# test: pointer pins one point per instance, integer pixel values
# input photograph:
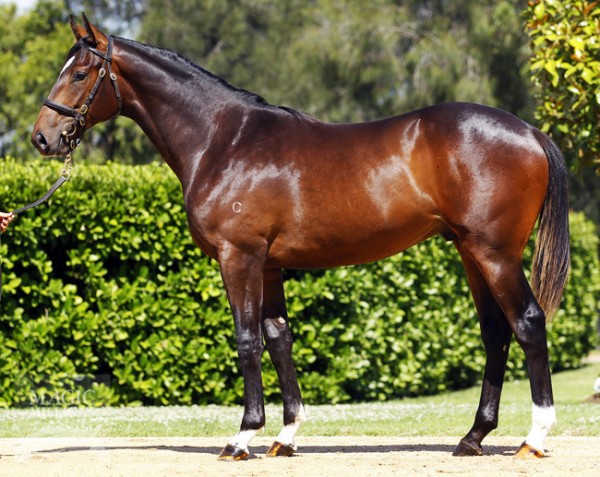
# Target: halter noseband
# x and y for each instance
(79, 113)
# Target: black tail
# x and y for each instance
(552, 252)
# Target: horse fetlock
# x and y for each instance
(288, 433)
(543, 420)
(485, 422)
(237, 447)
(253, 421)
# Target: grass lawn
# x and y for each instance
(447, 414)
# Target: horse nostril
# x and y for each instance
(41, 142)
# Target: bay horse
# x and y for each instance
(268, 187)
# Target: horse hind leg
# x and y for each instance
(496, 334)
(278, 339)
(503, 273)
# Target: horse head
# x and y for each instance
(70, 109)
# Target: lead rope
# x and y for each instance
(64, 177)
(1, 271)
(68, 136)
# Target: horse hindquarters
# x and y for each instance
(492, 257)
(509, 307)
(527, 321)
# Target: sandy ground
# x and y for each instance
(317, 456)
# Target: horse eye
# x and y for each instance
(79, 76)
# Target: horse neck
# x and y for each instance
(176, 104)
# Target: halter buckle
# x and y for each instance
(67, 167)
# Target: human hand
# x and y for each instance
(5, 219)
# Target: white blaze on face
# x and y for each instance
(67, 64)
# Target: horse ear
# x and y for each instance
(78, 30)
(94, 34)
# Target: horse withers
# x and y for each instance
(268, 187)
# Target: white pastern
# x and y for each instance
(288, 433)
(243, 438)
(543, 419)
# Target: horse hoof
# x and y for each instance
(231, 452)
(528, 452)
(464, 449)
(281, 450)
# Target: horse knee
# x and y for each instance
(249, 348)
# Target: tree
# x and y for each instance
(122, 17)
(345, 60)
(502, 46)
(32, 49)
(565, 37)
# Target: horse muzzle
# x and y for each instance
(55, 144)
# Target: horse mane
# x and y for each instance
(190, 67)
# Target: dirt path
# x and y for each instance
(317, 456)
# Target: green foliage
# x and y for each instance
(582, 297)
(566, 71)
(122, 15)
(104, 286)
(106, 282)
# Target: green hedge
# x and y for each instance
(106, 297)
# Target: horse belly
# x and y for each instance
(371, 206)
(350, 240)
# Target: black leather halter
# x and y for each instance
(79, 113)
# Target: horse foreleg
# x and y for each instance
(243, 278)
(279, 342)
